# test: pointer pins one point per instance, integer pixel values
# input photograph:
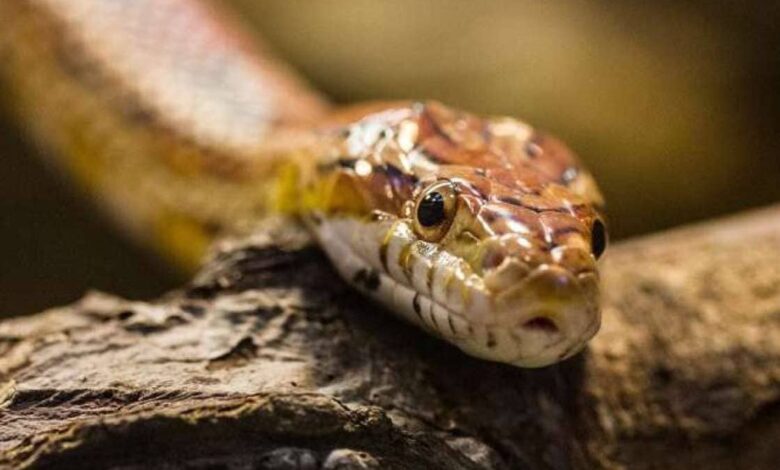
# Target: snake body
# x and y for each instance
(481, 230)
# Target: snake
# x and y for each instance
(178, 120)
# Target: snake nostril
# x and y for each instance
(541, 324)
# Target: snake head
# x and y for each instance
(481, 230)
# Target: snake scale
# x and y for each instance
(481, 230)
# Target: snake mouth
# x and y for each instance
(543, 341)
(542, 324)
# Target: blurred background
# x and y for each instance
(674, 105)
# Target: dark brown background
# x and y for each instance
(674, 105)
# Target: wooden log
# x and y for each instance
(267, 360)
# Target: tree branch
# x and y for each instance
(266, 359)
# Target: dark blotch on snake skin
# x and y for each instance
(367, 279)
(491, 340)
(452, 325)
(347, 162)
(416, 305)
(532, 149)
(342, 162)
(511, 200)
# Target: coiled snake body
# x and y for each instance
(482, 231)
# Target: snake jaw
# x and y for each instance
(515, 313)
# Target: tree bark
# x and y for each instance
(267, 360)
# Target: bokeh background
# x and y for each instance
(674, 105)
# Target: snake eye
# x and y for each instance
(598, 238)
(435, 211)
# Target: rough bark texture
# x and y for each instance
(266, 360)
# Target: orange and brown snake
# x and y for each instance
(481, 230)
